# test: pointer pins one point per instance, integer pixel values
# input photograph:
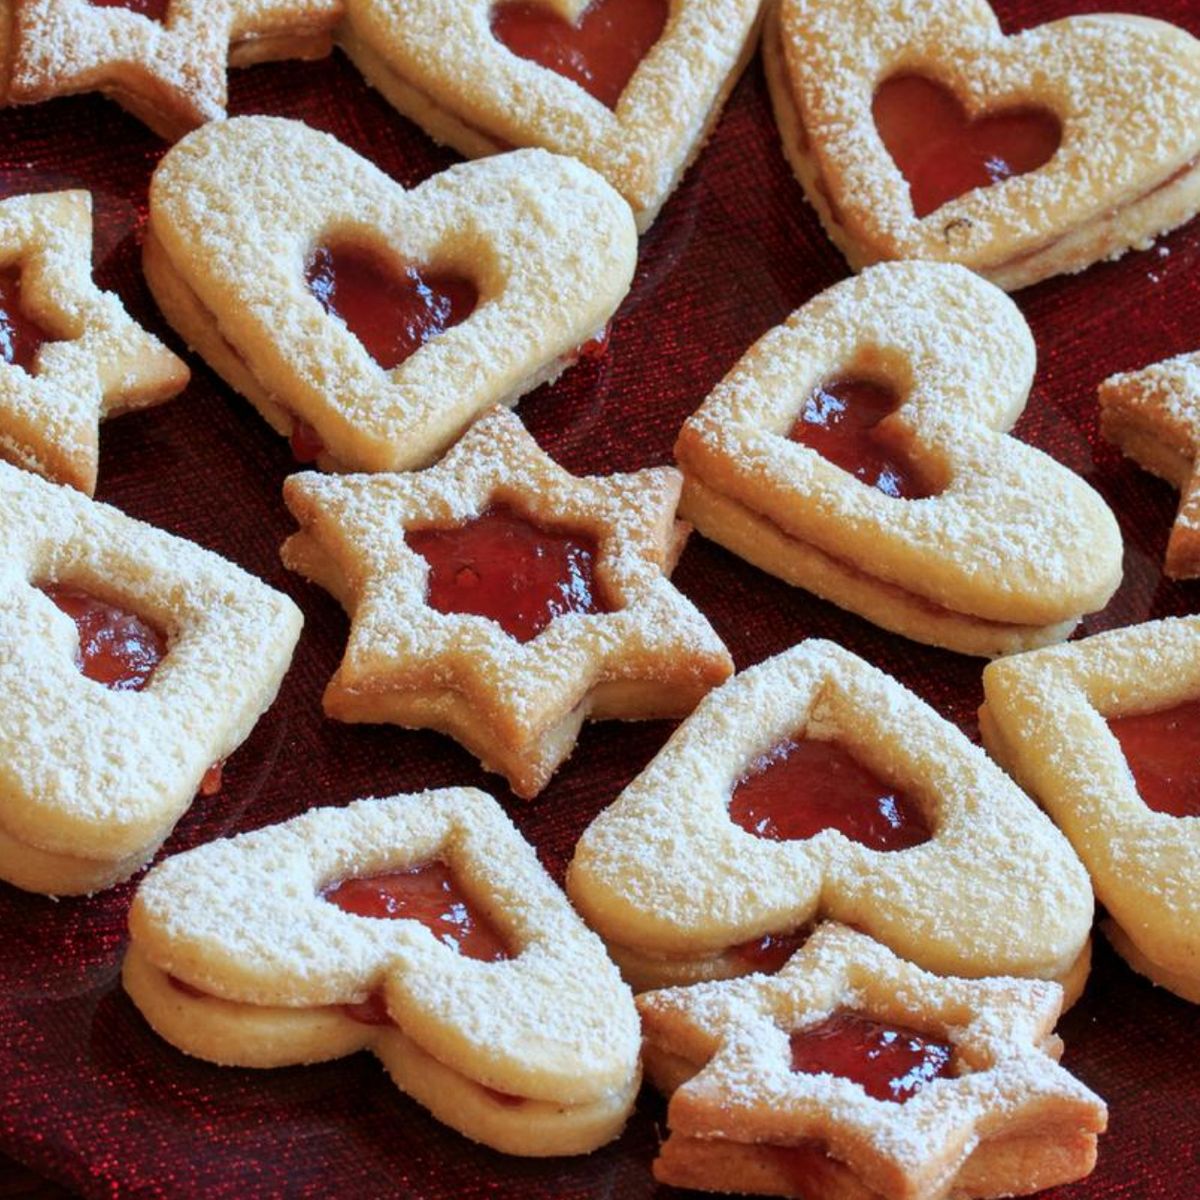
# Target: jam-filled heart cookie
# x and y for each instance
(420, 927)
(371, 324)
(134, 663)
(922, 131)
(813, 785)
(1154, 416)
(70, 355)
(859, 451)
(1105, 734)
(163, 60)
(630, 87)
(503, 601)
(853, 1075)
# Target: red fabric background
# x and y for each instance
(92, 1098)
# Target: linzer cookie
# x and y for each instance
(859, 450)
(853, 1075)
(629, 87)
(163, 60)
(923, 132)
(1154, 416)
(134, 663)
(503, 601)
(1105, 734)
(70, 355)
(810, 786)
(420, 927)
(371, 324)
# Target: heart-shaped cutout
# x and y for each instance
(154, 10)
(1124, 90)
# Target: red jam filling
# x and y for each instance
(21, 337)
(1163, 750)
(116, 647)
(943, 154)
(392, 312)
(769, 952)
(156, 10)
(210, 784)
(371, 1011)
(600, 54)
(594, 348)
(516, 573)
(840, 421)
(801, 787)
(305, 441)
(889, 1062)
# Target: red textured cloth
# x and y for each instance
(92, 1098)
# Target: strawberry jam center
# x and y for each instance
(392, 312)
(600, 54)
(1162, 750)
(889, 1062)
(943, 154)
(801, 787)
(116, 647)
(516, 573)
(21, 337)
(840, 421)
(156, 10)
(769, 952)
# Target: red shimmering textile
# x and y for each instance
(92, 1099)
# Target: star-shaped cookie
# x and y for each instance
(752, 1112)
(637, 649)
(84, 357)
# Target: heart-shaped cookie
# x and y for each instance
(1019, 203)
(858, 450)
(466, 73)
(531, 253)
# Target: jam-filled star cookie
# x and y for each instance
(70, 355)
(859, 450)
(163, 60)
(1154, 416)
(371, 324)
(629, 87)
(814, 785)
(1105, 734)
(133, 664)
(420, 927)
(853, 1075)
(922, 132)
(503, 601)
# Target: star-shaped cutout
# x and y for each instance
(93, 360)
(517, 705)
(1153, 415)
(1007, 1119)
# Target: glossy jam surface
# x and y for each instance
(156, 10)
(600, 54)
(371, 1011)
(943, 154)
(508, 569)
(116, 647)
(1163, 752)
(305, 441)
(210, 784)
(393, 312)
(769, 952)
(890, 1062)
(840, 419)
(21, 337)
(428, 894)
(801, 787)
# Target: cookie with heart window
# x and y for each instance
(924, 132)
(420, 927)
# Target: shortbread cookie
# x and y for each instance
(1154, 416)
(629, 87)
(503, 601)
(163, 60)
(70, 354)
(813, 785)
(853, 1075)
(370, 324)
(1105, 734)
(112, 721)
(922, 132)
(420, 927)
(859, 451)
